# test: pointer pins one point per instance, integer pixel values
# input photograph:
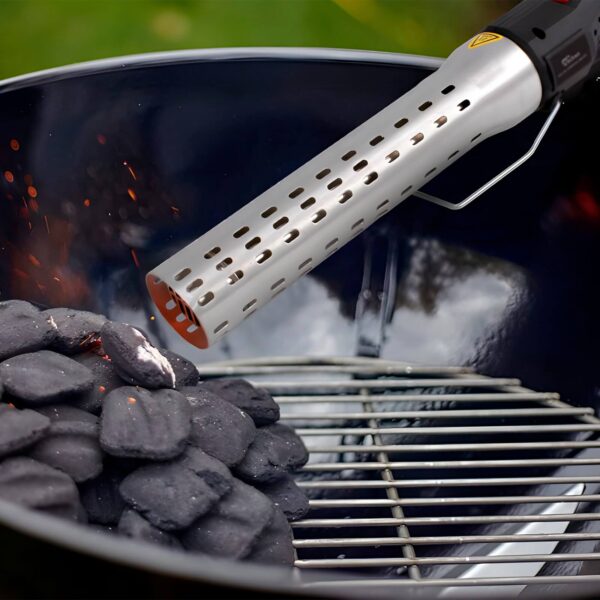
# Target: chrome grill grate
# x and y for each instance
(436, 476)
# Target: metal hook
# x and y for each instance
(492, 182)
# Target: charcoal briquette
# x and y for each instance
(23, 328)
(71, 444)
(233, 526)
(32, 484)
(219, 428)
(139, 423)
(174, 494)
(287, 496)
(44, 377)
(101, 497)
(275, 450)
(135, 359)
(20, 428)
(185, 370)
(76, 330)
(134, 526)
(256, 402)
(275, 546)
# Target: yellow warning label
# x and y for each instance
(484, 38)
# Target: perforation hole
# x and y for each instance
(360, 165)
(304, 264)
(448, 89)
(263, 256)
(392, 156)
(376, 140)
(425, 106)
(253, 242)
(332, 243)
(278, 291)
(296, 193)
(192, 328)
(249, 305)
(240, 232)
(370, 178)
(212, 252)
(441, 121)
(280, 223)
(182, 274)
(194, 285)
(431, 171)
(204, 300)
(476, 137)
(345, 196)
(273, 209)
(453, 154)
(539, 33)
(406, 190)
(384, 203)
(221, 326)
(180, 318)
(319, 216)
(307, 203)
(400, 123)
(323, 173)
(291, 236)
(277, 283)
(417, 138)
(170, 305)
(357, 224)
(349, 155)
(464, 104)
(335, 183)
(235, 277)
(224, 263)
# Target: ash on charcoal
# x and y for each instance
(20, 428)
(23, 328)
(43, 377)
(101, 497)
(287, 496)
(135, 359)
(185, 370)
(173, 495)
(275, 546)
(139, 423)
(105, 380)
(275, 450)
(32, 484)
(71, 444)
(218, 427)
(257, 402)
(75, 329)
(134, 526)
(233, 526)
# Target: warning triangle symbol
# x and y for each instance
(484, 38)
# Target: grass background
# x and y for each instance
(37, 34)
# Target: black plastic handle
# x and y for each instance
(562, 38)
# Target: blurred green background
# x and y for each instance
(37, 34)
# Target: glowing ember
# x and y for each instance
(32, 191)
(33, 205)
(130, 169)
(33, 260)
(135, 258)
(101, 139)
(87, 202)
(152, 318)
(132, 194)
(174, 210)
(14, 145)
(9, 176)
(131, 400)
(101, 389)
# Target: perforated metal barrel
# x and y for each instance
(155, 151)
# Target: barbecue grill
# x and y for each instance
(433, 480)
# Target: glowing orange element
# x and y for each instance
(130, 169)
(57, 279)
(135, 258)
(32, 191)
(101, 139)
(14, 145)
(33, 205)
(131, 400)
(101, 389)
(9, 176)
(174, 210)
(87, 202)
(11, 405)
(33, 260)
(152, 317)
(132, 194)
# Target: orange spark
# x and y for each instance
(32, 191)
(130, 169)
(33, 204)
(9, 176)
(132, 194)
(152, 317)
(14, 145)
(101, 139)
(87, 202)
(57, 279)
(131, 400)
(135, 258)
(34, 261)
(175, 210)
(101, 389)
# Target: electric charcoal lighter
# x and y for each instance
(528, 60)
